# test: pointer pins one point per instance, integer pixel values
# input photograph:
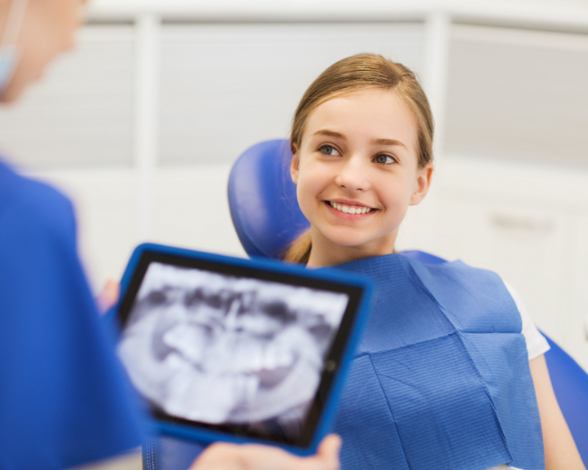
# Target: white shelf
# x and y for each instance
(531, 14)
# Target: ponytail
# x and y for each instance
(299, 250)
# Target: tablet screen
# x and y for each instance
(235, 349)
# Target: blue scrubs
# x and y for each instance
(64, 398)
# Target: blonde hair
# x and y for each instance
(351, 74)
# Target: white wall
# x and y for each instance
(141, 123)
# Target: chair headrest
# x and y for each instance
(262, 199)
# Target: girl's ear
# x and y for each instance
(423, 182)
(294, 164)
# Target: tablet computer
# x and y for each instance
(224, 348)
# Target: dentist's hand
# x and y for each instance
(258, 457)
(108, 296)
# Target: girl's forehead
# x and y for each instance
(376, 112)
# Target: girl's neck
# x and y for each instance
(324, 254)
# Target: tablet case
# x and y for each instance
(200, 434)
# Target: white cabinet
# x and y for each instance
(142, 121)
(579, 291)
(517, 95)
(81, 114)
(227, 86)
(515, 187)
(529, 226)
(189, 209)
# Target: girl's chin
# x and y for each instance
(358, 245)
(352, 246)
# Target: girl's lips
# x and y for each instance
(348, 202)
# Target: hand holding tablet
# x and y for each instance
(261, 457)
(238, 350)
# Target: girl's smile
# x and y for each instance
(349, 210)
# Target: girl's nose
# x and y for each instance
(352, 175)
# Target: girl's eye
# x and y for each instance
(384, 159)
(328, 150)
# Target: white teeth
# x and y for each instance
(353, 210)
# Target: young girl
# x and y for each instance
(443, 378)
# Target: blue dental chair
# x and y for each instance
(262, 201)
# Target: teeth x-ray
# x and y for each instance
(222, 349)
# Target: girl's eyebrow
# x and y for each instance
(389, 142)
(381, 141)
(329, 133)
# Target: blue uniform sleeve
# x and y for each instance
(64, 398)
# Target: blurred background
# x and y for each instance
(141, 123)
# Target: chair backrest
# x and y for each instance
(262, 201)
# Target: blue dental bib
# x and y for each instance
(441, 378)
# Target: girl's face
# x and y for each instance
(356, 173)
(48, 29)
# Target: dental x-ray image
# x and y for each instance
(222, 349)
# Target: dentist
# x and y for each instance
(64, 399)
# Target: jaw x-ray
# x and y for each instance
(222, 349)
